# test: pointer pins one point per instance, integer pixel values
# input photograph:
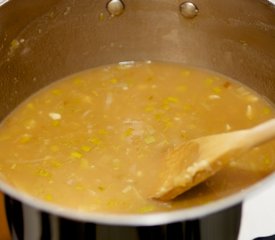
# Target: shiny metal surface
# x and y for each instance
(115, 7)
(223, 225)
(42, 41)
(189, 9)
(233, 37)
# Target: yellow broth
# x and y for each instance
(95, 140)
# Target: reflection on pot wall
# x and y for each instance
(223, 225)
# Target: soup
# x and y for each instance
(94, 141)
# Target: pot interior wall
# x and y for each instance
(234, 37)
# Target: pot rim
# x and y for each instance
(148, 219)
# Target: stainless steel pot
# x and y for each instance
(42, 41)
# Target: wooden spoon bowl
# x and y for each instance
(198, 159)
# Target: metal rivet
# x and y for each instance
(189, 10)
(115, 7)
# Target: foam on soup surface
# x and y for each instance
(94, 141)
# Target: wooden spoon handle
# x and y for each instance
(261, 133)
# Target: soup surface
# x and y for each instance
(95, 140)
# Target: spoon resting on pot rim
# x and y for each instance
(198, 159)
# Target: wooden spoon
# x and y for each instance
(198, 159)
